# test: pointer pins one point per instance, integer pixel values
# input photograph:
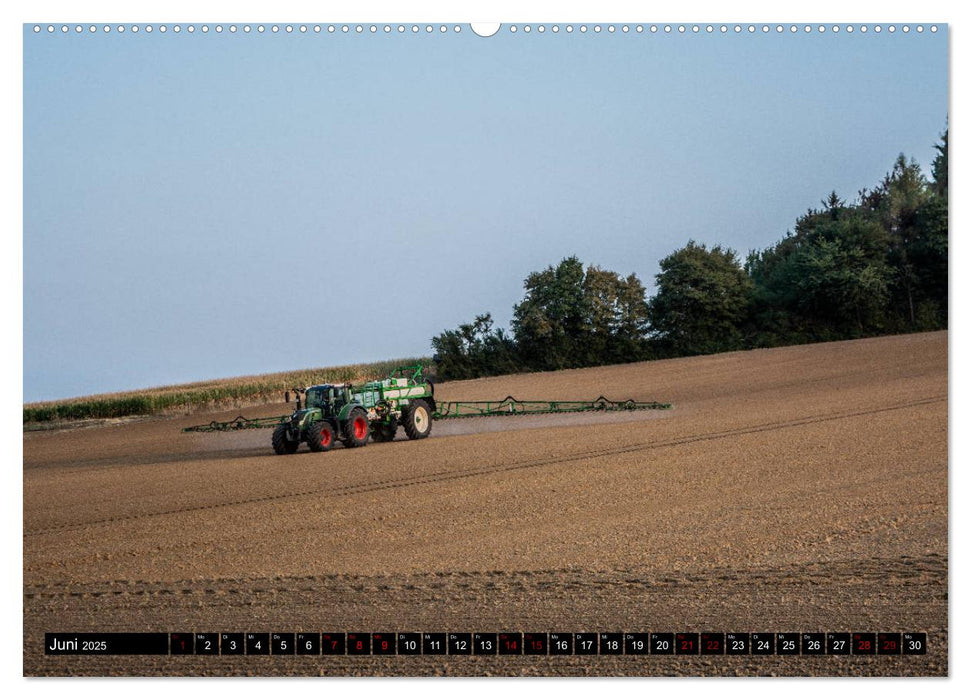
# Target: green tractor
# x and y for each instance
(355, 414)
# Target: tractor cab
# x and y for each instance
(320, 396)
(327, 397)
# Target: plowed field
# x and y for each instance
(792, 489)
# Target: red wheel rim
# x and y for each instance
(360, 428)
(325, 436)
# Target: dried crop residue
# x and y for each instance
(790, 489)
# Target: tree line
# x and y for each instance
(847, 270)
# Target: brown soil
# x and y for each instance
(793, 489)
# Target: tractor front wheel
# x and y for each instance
(282, 444)
(357, 430)
(320, 436)
(385, 432)
(418, 420)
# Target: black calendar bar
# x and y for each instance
(97, 644)
(588, 643)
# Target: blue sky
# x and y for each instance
(210, 205)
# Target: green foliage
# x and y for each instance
(702, 301)
(571, 317)
(939, 168)
(829, 280)
(877, 266)
(617, 316)
(914, 216)
(551, 321)
(475, 350)
(927, 252)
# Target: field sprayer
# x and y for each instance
(354, 414)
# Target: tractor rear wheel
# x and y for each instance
(418, 420)
(282, 444)
(385, 432)
(357, 430)
(320, 436)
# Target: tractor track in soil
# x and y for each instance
(485, 470)
(906, 570)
